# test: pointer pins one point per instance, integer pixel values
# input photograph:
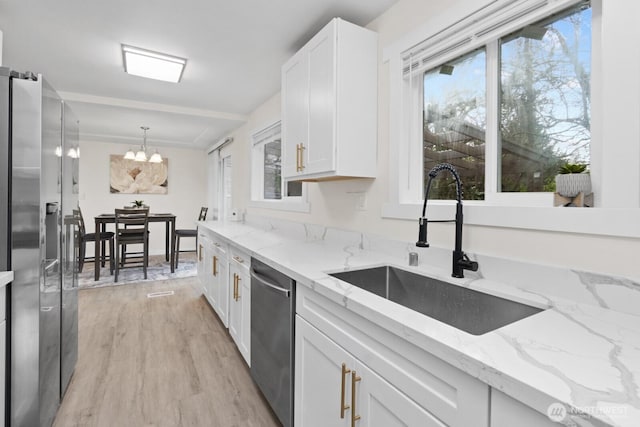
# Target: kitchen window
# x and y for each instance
(507, 132)
(268, 188)
(506, 114)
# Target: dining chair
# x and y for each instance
(187, 233)
(132, 228)
(96, 238)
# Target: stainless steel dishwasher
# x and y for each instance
(272, 337)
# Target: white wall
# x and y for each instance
(332, 203)
(186, 191)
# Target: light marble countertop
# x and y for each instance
(6, 277)
(582, 351)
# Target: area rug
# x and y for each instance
(158, 270)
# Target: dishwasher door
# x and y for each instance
(272, 332)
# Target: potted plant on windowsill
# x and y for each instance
(573, 179)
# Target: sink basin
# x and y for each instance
(471, 311)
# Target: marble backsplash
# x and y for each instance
(541, 282)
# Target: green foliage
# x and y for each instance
(138, 203)
(572, 168)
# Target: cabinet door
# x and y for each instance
(202, 260)
(319, 379)
(319, 150)
(240, 310)
(221, 288)
(235, 308)
(295, 112)
(211, 279)
(507, 412)
(244, 300)
(379, 404)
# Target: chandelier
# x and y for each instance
(141, 154)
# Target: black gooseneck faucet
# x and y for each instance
(460, 260)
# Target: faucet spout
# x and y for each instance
(460, 260)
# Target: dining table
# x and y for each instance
(170, 227)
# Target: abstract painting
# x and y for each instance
(131, 177)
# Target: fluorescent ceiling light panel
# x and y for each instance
(152, 65)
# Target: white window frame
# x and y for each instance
(286, 203)
(515, 210)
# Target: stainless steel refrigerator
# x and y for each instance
(38, 155)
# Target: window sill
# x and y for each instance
(281, 205)
(621, 222)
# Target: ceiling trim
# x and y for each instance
(151, 106)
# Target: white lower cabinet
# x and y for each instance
(319, 380)
(395, 382)
(219, 282)
(508, 412)
(213, 273)
(240, 303)
(335, 389)
(203, 241)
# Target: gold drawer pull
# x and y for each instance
(343, 405)
(354, 380)
(297, 157)
(200, 254)
(215, 265)
(237, 258)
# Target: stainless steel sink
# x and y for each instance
(471, 311)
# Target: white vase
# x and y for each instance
(571, 184)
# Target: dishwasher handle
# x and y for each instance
(270, 285)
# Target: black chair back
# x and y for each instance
(203, 213)
(81, 228)
(132, 225)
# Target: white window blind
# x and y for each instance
(268, 134)
(490, 22)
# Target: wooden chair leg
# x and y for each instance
(81, 254)
(111, 255)
(145, 254)
(117, 265)
(177, 248)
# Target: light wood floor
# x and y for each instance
(164, 361)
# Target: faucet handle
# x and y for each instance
(467, 264)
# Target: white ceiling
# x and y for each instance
(234, 52)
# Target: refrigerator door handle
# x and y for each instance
(49, 264)
(49, 267)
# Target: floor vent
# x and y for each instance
(160, 294)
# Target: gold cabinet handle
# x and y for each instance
(215, 265)
(237, 258)
(354, 380)
(301, 157)
(237, 287)
(200, 254)
(297, 157)
(343, 405)
(234, 286)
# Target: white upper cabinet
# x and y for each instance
(329, 105)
